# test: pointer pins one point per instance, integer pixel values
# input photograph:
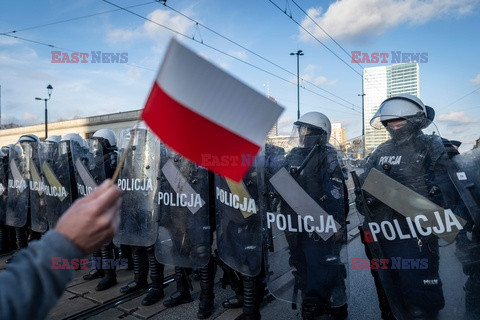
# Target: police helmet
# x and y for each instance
(107, 135)
(28, 138)
(54, 139)
(403, 106)
(314, 126)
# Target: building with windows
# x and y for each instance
(380, 83)
(337, 138)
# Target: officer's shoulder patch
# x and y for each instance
(336, 193)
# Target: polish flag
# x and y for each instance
(206, 115)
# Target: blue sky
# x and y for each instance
(256, 32)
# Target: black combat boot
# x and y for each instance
(339, 313)
(155, 293)
(182, 295)
(96, 271)
(21, 235)
(110, 278)
(472, 295)
(207, 296)
(140, 271)
(236, 283)
(252, 298)
(313, 307)
(4, 245)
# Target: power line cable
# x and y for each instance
(201, 42)
(324, 31)
(73, 19)
(64, 49)
(314, 37)
(461, 98)
(222, 52)
(252, 52)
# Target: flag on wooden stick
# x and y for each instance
(207, 115)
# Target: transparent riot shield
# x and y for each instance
(182, 200)
(18, 187)
(465, 174)
(57, 180)
(239, 221)
(3, 186)
(38, 204)
(415, 229)
(88, 164)
(306, 220)
(138, 180)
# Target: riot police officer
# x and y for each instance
(187, 224)
(6, 232)
(104, 140)
(320, 270)
(22, 232)
(419, 162)
(139, 226)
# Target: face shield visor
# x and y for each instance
(400, 108)
(64, 148)
(304, 136)
(50, 149)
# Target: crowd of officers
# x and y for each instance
(283, 185)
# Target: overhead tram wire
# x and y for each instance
(223, 52)
(252, 52)
(64, 49)
(9, 34)
(461, 98)
(73, 19)
(324, 31)
(318, 40)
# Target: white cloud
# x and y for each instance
(476, 80)
(152, 30)
(28, 117)
(360, 19)
(6, 41)
(309, 74)
(284, 125)
(320, 80)
(242, 55)
(457, 117)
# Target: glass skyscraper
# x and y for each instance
(380, 83)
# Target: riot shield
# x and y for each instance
(182, 200)
(3, 186)
(38, 205)
(88, 164)
(465, 174)
(415, 230)
(18, 187)
(307, 221)
(57, 181)
(239, 220)
(138, 180)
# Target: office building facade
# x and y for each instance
(380, 83)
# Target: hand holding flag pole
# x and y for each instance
(124, 154)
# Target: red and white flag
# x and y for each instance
(206, 115)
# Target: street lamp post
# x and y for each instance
(363, 121)
(298, 54)
(49, 90)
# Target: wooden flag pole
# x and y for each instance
(124, 155)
